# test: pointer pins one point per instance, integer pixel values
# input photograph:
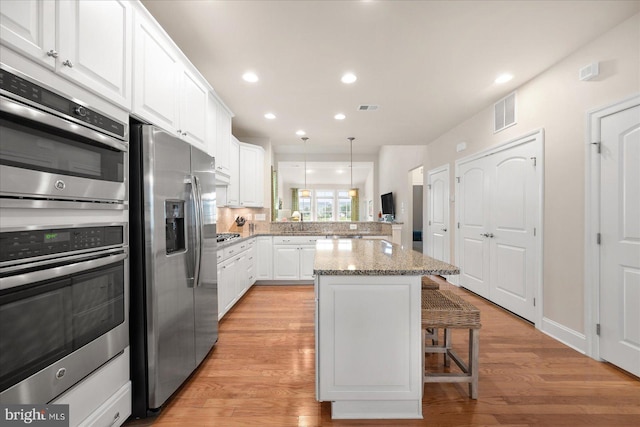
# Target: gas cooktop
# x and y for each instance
(223, 237)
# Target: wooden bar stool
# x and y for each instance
(444, 309)
(430, 333)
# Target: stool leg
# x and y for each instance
(474, 351)
(435, 334)
(447, 346)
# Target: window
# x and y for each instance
(304, 204)
(325, 205)
(344, 206)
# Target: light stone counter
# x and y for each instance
(368, 327)
(374, 258)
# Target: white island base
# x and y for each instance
(368, 346)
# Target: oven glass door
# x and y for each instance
(45, 321)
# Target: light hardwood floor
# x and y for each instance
(261, 373)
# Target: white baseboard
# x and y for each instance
(573, 339)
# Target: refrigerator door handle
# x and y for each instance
(198, 215)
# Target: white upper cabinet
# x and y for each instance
(156, 75)
(211, 128)
(193, 111)
(233, 191)
(28, 26)
(95, 46)
(251, 175)
(94, 41)
(223, 144)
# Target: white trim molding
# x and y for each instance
(567, 336)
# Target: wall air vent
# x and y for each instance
(364, 107)
(504, 113)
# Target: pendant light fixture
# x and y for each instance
(305, 192)
(353, 192)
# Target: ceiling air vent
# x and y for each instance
(364, 107)
(504, 113)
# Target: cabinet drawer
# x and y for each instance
(113, 412)
(296, 240)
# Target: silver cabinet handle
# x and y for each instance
(444, 229)
(184, 134)
(68, 63)
(489, 235)
(52, 53)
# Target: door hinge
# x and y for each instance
(598, 146)
(534, 302)
(458, 179)
(534, 232)
(458, 225)
(598, 329)
(598, 238)
(534, 161)
(429, 222)
(428, 186)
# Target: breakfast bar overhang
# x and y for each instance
(368, 327)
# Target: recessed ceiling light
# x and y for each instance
(250, 77)
(300, 132)
(349, 78)
(339, 171)
(339, 116)
(503, 78)
(270, 116)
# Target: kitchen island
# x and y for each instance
(368, 327)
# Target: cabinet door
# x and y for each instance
(156, 76)
(193, 110)
(28, 26)
(242, 276)
(251, 265)
(211, 128)
(233, 190)
(264, 264)
(251, 175)
(95, 46)
(223, 140)
(286, 262)
(307, 258)
(226, 286)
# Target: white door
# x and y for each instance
(438, 244)
(499, 203)
(473, 219)
(620, 240)
(513, 218)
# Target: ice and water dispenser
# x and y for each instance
(174, 226)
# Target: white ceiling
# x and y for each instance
(324, 173)
(428, 64)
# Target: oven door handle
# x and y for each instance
(62, 270)
(30, 113)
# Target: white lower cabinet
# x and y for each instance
(236, 273)
(264, 258)
(293, 257)
(108, 389)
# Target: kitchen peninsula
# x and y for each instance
(368, 327)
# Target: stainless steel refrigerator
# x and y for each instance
(174, 303)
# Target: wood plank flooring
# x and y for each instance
(261, 373)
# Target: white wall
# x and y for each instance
(394, 164)
(557, 102)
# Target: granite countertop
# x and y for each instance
(374, 258)
(246, 235)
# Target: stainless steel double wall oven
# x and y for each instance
(64, 268)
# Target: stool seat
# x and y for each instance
(430, 284)
(444, 309)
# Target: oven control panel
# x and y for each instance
(35, 243)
